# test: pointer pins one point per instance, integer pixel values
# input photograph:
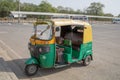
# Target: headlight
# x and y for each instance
(40, 50)
(46, 49)
(43, 49)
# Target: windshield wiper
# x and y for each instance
(45, 30)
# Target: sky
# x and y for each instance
(111, 6)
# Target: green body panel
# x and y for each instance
(86, 49)
(68, 58)
(75, 54)
(32, 60)
(47, 60)
(67, 53)
(71, 55)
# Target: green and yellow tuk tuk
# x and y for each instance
(58, 43)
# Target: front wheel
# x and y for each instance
(31, 69)
(87, 61)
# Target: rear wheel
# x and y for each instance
(31, 69)
(87, 61)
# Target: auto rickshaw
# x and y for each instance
(57, 43)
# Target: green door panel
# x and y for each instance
(67, 58)
(86, 49)
(67, 53)
(75, 54)
(47, 60)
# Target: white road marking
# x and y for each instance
(15, 53)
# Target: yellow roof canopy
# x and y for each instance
(62, 22)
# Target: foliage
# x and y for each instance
(46, 7)
(6, 6)
(28, 7)
(12, 5)
(69, 10)
(108, 14)
(95, 9)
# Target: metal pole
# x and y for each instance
(19, 11)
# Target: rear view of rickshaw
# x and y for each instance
(58, 43)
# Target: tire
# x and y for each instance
(31, 69)
(87, 60)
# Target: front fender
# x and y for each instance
(32, 61)
(89, 52)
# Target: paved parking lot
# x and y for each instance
(106, 48)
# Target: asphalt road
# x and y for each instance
(106, 48)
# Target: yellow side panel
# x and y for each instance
(32, 41)
(45, 42)
(52, 41)
(87, 34)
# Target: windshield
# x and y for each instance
(44, 32)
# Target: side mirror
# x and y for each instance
(57, 29)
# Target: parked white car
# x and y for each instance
(116, 20)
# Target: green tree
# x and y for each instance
(67, 10)
(78, 11)
(108, 14)
(46, 7)
(61, 9)
(6, 6)
(29, 7)
(95, 8)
